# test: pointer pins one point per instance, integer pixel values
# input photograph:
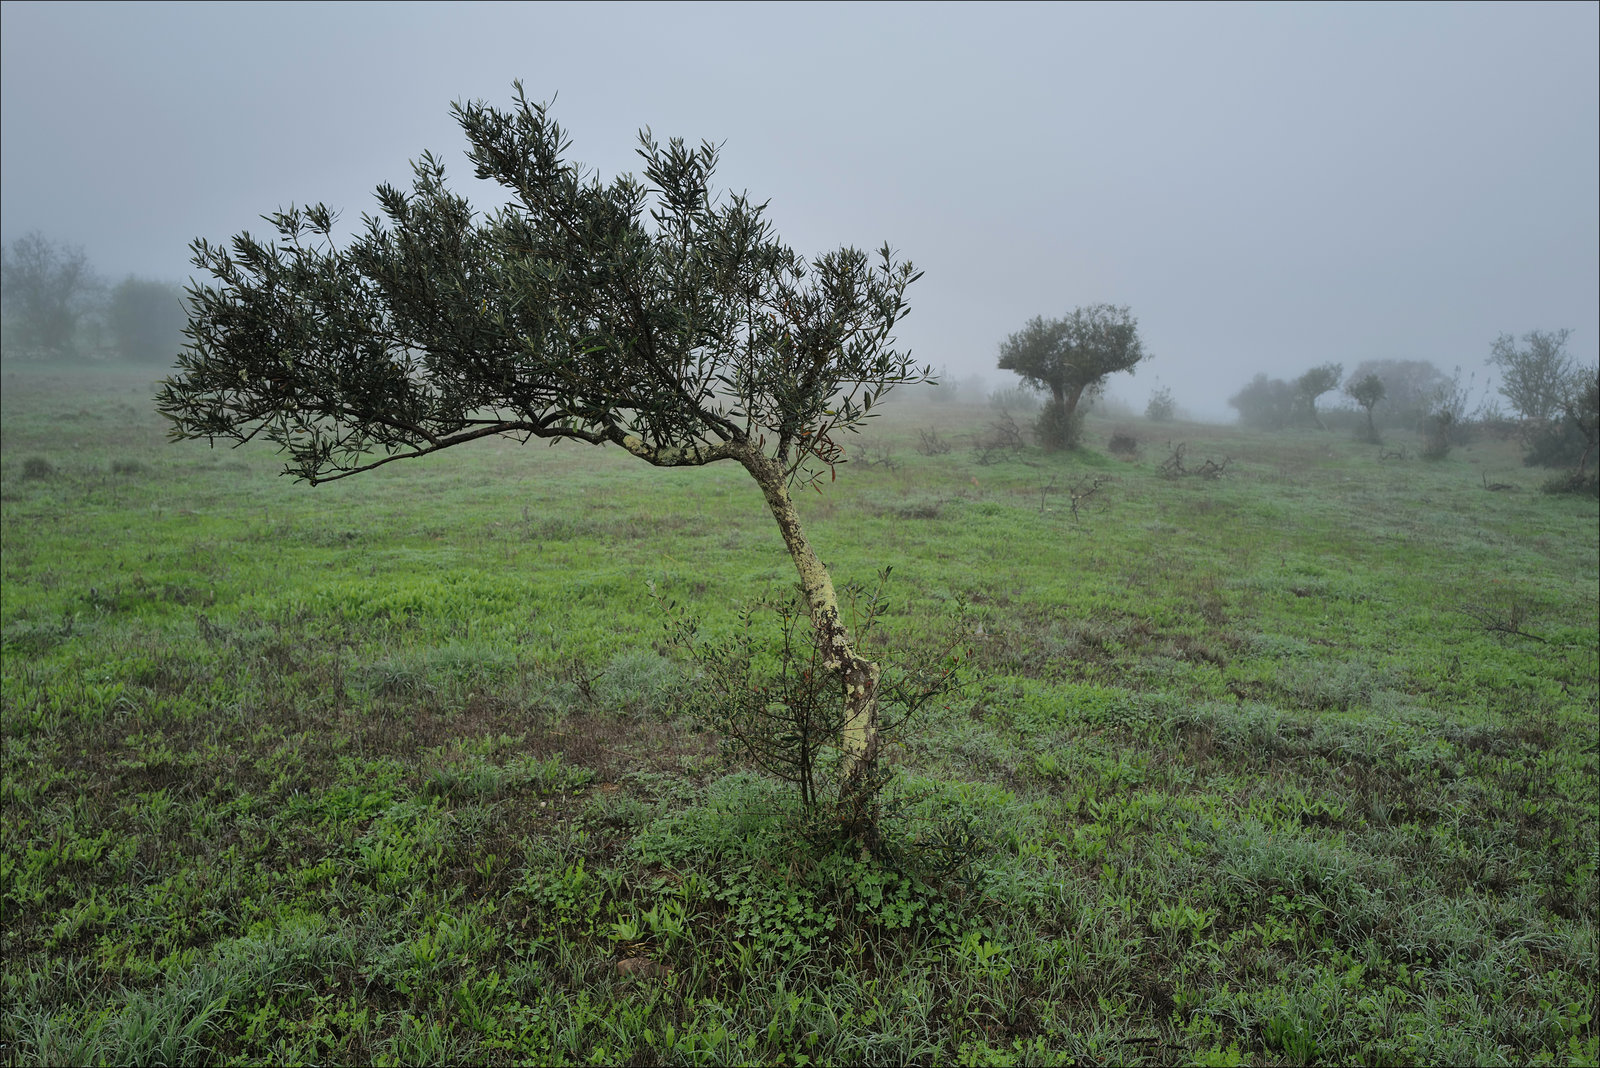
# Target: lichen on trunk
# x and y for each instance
(859, 677)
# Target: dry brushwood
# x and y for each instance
(1392, 454)
(932, 444)
(1496, 487)
(880, 456)
(1080, 491)
(1508, 620)
(1001, 440)
(1174, 467)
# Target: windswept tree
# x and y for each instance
(46, 290)
(1534, 378)
(1069, 357)
(650, 315)
(1367, 391)
(1313, 384)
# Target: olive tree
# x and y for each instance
(652, 315)
(1313, 384)
(1367, 391)
(1069, 357)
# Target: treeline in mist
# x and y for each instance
(55, 309)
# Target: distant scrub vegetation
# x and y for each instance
(54, 308)
(1555, 405)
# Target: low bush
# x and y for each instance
(1123, 443)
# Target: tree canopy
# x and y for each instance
(1313, 384)
(1536, 377)
(46, 289)
(1074, 354)
(681, 335)
(1266, 403)
(1366, 391)
(649, 314)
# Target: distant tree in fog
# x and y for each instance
(1313, 384)
(1069, 357)
(1161, 407)
(1534, 378)
(1367, 391)
(1265, 403)
(688, 336)
(1581, 409)
(146, 320)
(46, 291)
(1569, 438)
(1410, 390)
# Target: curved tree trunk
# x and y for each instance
(859, 736)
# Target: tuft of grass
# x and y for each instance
(37, 467)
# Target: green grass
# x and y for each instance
(393, 770)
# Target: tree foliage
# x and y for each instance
(1265, 403)
(1070, 356)
(1534, 378)
(565, 314)
(46, 290)
(1161, 408)
(649, 314)
(1313, 384)
(1411, 388)
(1581, 409)
(1570, 438)
(1367, 391)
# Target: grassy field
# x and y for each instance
(1294, 766)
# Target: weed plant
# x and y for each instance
(1248, 770)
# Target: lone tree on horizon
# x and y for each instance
(1069, 357)
(688, 336)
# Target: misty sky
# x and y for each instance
(1267, 187)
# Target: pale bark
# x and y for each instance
(859, 736)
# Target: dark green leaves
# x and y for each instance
(654, 314)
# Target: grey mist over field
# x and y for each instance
(1268, 188)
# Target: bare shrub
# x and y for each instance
(1504, 619)
(1174, 466)
(1000, 440)
(1078, 493)
(931, 444)
(879, 456)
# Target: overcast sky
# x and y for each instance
(1268, 187)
